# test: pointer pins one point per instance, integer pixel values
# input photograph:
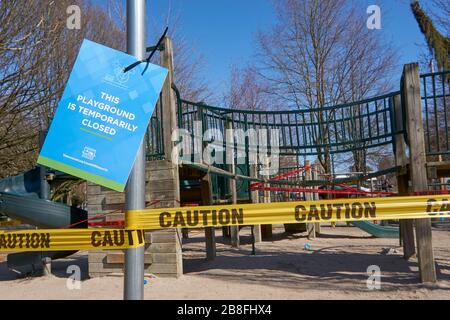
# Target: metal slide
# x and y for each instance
(39, 212)
(19, 200)
(377, 230)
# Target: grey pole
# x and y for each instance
(135, 189)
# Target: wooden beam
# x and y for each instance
(169, 123)
(210, 232)
(226, 232)
(315, 196)
(407, 225)
(310, 227)
(419, 182)
(254, 195)
(169, 111)
(206, 196)
(266, 229)
(234, 230)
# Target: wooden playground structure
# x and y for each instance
(409, 124)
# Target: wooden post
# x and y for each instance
(47, 267)
(266, 229)
(406, 225)
(210, 232)
(234, 230)
(254, 194)
(310, 227)
(315, 196)
(169, 118)
(417, 163)
(226, 232)
(169, 110)
(169, 124)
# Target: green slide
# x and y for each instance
(377, 230)
(19, 200)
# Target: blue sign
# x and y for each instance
(102, 117)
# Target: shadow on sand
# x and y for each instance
(59, 269)
(324, 268)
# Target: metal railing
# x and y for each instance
(154, 138)
(435, 93)
(337, 129)
(343, 128)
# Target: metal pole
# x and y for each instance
(135, 190)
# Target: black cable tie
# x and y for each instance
(154, 50)
(150, 49)
(133, 65)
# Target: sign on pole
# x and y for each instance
(102, 116)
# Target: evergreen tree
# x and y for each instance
(438, 44)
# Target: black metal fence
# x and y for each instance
(435, 93)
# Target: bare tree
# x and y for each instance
(320, 54)
(246, 90)
(37, 52)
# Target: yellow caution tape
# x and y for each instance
(70, 239)
(357, 209)
(8, 223)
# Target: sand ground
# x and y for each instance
(334, 268)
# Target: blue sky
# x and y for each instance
(224, 30)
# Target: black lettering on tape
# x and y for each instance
(300, 216)
(162, 220)
(35, 240)
(130, 237)
(445, 206)
(214, 217)
(191, 218)
(313, 213)
(435, 207)
(357, 210)
(107, 239)
(347, 210)
(238, 215)
(45, 240)
(326, 212)
(12, 241)
(94, 242)
(178, 221)
(119, 238)
(20, 240)
(141, 236)
(338, 207)
(430, 205)
(370, 210)
(204, 214)
(2, 241)
(224, 217)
